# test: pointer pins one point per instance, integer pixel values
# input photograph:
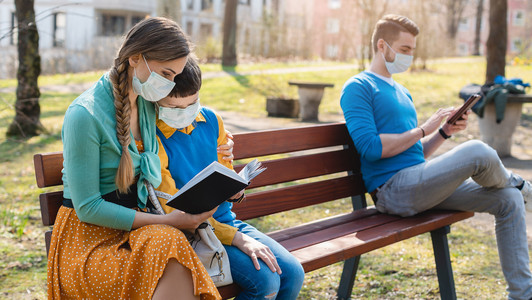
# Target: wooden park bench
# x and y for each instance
(307, 166)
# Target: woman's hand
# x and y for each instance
(227, 149)
(433, 123)
(460, 125)
(255, 250)
(185, 221)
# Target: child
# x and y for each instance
(189, 135)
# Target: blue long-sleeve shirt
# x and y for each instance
(373, 106)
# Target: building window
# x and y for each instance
(335, 4)
(136, 19)
(206, 4)
(519, 18)
(190, 4)
(517, 45)
(333, 25)
(190, 28)
(14, 31)
(463, 25)
(463, 49)
(332, 51)
(113, 25)
(59, 30)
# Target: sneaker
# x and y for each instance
(526, 190)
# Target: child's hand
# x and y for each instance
(255, 250)
(227, 149)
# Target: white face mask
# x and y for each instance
(153, 89)
(179, 118)
(401, 63)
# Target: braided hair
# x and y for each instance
(158, 39)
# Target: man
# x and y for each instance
(382, 122)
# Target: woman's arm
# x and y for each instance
(176, 218)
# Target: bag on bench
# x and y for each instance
(207, 246)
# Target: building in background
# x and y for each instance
(519, 28)
(73, 36)
(85, 34)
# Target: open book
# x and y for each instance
(211, 187)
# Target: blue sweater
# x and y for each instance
(190, 152)
(372, 106)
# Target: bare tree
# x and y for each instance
(27, 109)
(371, 13)
(478, 26)
(229, 37)
(497, 39)
(455, 11)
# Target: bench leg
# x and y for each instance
(348, 278)
(443, 262)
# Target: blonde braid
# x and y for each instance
(119, 78)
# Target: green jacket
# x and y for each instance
(498, 94)
(92, 153)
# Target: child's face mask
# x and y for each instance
(179, 117)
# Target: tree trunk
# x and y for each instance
(27, 110)
(497, 39)
(229, 38)
(478, 25)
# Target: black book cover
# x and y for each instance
(207, 194)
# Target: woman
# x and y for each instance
(104, 243)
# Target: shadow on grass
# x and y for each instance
(241, 79)
(13, 149)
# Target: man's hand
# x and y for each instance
(255, 250)
(460, 125)
(434, 122)
(227, 149)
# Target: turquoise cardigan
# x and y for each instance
(92, 153)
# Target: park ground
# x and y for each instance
(404, 270)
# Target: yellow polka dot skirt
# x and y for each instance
(93, 262)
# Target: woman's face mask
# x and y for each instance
(179, 118)
(401, 62)
(153, 89)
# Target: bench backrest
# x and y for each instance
(298, 162)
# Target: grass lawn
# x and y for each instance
(404, 270)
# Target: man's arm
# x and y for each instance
(432, 144)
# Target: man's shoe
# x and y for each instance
(526, 190)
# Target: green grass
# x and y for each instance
(403, 270)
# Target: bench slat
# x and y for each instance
(309, 238)
(48, 168)
(339, 249)
(282, 199)
(50, 204)
(268, 142)
(300, 167)
(295, 231)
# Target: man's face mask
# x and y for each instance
(179, 118)
(153, 89)
(401, 63)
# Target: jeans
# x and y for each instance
(471, 177)
(263, 283)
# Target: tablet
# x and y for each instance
(465, 107)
